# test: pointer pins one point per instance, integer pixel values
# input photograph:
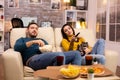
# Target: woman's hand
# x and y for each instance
(87, 50)
(73, 39)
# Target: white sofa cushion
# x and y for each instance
(45, 33)
(28, 72)
(46, 48)
(13, 65)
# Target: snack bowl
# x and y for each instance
(70, 72)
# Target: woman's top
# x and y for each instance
(66, 44)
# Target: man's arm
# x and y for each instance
(20, 45)
(29, 43)
(40, 42)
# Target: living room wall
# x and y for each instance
(42, 11)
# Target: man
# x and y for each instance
(34, 58)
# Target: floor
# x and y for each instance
(1, 69)
(118, 71)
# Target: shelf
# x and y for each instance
(72, 17)
(1, 26)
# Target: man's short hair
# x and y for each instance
(31, 24)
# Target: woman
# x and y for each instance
(71, 42)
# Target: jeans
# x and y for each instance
(97, 52)
(41, 61)
(99, 47)
(73, 57)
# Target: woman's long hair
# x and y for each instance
(64, 34)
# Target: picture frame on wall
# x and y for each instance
(82, 4)
(13, 3)
(35, 1)
(27, 20)
(55, 4)
(46, 24)
(70, 16)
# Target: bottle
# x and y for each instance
(95, 61)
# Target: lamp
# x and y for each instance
(78, 24)
(98, 27)
(8, 26)
(67, 2)
(81, 23)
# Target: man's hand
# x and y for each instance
(39, 42)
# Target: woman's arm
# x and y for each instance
(65, 44)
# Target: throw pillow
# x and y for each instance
(28, 72)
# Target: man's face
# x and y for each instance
(32, 31)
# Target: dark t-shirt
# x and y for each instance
(27, 52)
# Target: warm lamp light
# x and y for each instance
(8, 26)
(97, 27)
(81, 25)
(104, 2)
(78, 24)
(67, 2)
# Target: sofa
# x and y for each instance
(14, 68)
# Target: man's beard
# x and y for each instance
(33, 36)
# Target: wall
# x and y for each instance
(42, 11)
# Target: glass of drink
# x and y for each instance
(60, 60)
(88, 59)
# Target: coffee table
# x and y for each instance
(52, 73)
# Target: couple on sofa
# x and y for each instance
(29, 47)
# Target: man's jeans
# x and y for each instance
(41, 61)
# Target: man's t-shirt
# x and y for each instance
(27, 52)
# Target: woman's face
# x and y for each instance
(68, 30)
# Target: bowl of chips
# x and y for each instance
(70, 71)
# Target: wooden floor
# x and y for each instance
(118, 71)
(1, 69)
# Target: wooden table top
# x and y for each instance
(52, 72)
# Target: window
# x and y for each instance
(108, 20)
(101, 20)
(114, 21)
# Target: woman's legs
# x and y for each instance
(73, 57)
(41, 61)
(99, 47)
(100, 58)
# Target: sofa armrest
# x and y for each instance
(13, 66)
(111, 60)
